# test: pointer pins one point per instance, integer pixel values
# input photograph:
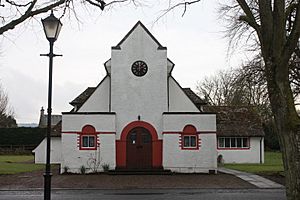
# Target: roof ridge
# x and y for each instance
(132, 29)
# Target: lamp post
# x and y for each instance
(52, 27)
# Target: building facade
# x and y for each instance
(138, 117)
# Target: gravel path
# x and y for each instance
(104, 181)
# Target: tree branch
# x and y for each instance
(185, 4)
(293, 38)
(249, 18)
(100, 4)
(29, 13)
(18, 5)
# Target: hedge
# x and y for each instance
(22, 136)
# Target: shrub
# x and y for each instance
(66, 169)
(105, 167)
(82, 169)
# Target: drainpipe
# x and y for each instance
(260, 150)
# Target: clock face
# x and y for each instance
(139, 68)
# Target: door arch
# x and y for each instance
(121, 145)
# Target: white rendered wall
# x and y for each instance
(181, 160)
(178, 100)
(73, 157)
(75, 122)
(251, 155)
(190, 161)
(133, 96)
(202, 122)
(99, 100)
(55, 152)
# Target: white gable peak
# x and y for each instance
(136, 30)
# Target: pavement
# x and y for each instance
(147, 194)
(253, 179)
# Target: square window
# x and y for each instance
(88, 141)
(189, 141)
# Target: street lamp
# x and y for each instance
(52, 27)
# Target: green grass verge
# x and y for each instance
(273, 165)
(12, 164)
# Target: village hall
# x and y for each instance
(139, 117)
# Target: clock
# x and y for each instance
(139, 68)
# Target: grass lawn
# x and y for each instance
(12, 164)
(273, 165)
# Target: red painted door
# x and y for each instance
(139, 149)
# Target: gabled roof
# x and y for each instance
(82, 98)
(237, 121)
(194, 97)
(79, 100)
(139, 23)
(56, 130)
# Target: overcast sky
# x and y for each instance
(195, 44)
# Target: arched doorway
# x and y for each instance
(121, 145)
(139, 149)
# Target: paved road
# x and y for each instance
(147, 194)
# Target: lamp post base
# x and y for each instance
(47, 185)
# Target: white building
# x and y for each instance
(138, 117)
(239, 134)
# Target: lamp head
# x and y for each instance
(52, 27)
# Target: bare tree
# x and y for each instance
(243, 86)
(6, 114)
(275, 27)
(219, 88)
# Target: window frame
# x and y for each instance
(189, 131)
(90, 132)
(88, 142)
(236, 146)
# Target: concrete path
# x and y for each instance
(254, 179)
(148, 194)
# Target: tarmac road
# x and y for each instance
(147, 194)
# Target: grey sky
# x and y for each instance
(195, 44)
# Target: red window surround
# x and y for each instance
(89, 134)
(189, 138)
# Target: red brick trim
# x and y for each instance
(234, 148)
(180, 132)
(88, 130)
(170, 132)
(189, 130)
(98, 133)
